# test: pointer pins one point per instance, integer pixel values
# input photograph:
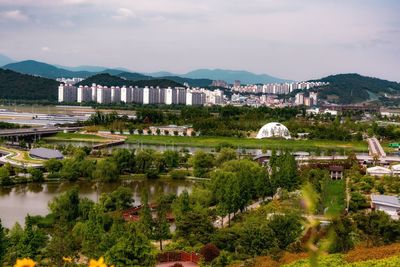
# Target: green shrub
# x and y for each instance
(179, 174)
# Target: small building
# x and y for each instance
(171, 130)
(379, 171)
(396, 169)
(336, 172)
(45, 153)
(388, 204)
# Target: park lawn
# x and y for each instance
(208, 141)
(20, 156)
(76, 137)
(335, 197)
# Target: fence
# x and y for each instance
(178, 256)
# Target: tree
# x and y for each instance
(202, 163)
(256, 238)
(225, 154)
(124, 159)
(106, 171)
(132, 249)
(5, 176)
(120, 199)
(144, 160)
(3, 243)
(194, 227)
(37, 175)
(209, 252)
(53, 165)
(31, 241)
(61, 244)
(286, 229)
(70, 170)
(171, 158)
(344, 230)
(377, 227)
(66, 206)
(161, 226)
(146, 219)
(284, 172)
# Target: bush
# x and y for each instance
(152, 174)
(179, 174)
(209, 252)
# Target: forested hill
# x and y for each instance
(354, 88)
(36, 68)
(110, 80)
(15, 85)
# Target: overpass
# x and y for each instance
(375, 148)
(35, 132)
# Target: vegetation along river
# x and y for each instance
(18, 201)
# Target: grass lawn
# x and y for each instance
(334, 197)
(205, 141)
(75, 137)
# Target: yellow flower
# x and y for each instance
(67, 259)
(25, 263)
(99, 263)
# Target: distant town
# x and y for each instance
(252, 95)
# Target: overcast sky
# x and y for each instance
(294, 39)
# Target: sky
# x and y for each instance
(291, 39)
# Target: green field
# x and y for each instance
(205, 141)
(75, 137)
(334, 197)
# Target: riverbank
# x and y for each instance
(206, 141)
(77, 137)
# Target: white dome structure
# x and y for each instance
(273, 129)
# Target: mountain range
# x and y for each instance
(354, 88)
(200, 77)
(40, 84)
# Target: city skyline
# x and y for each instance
(292, 40)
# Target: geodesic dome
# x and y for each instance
(273, 129)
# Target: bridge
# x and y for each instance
(36, 133)
(375, 148)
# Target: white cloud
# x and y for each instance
(124, 14)
(45, 48)
(14, 15)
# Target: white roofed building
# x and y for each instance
(273, 129)
(379, 171)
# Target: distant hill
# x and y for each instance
(4, 60)
(230, 76)
(106, 79)
(355, 88)
(191, 82)
(15, 85)
(41, 69)
(161, 74)
(94, 69)
(133, 76)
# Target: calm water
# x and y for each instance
(18, 201)
(156, 147)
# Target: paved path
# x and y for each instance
(225, 220)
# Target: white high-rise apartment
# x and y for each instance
(67, 93)
(103, 95)
(115, 94)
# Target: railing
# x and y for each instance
(173, 256)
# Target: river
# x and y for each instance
(18, 201)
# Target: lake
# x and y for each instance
(18, 201)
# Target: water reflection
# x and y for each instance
(18, 201)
